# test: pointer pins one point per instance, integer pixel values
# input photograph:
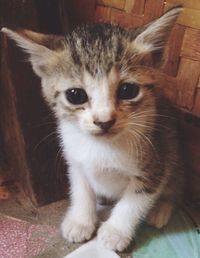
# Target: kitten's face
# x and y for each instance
(99, 77)
(104, 86)
(105, 103)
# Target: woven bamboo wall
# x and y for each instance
(181, 79)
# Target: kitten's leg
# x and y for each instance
(117, 232)
(80, 220)
(160, 214)
(171, 197)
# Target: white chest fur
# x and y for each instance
(107, 165)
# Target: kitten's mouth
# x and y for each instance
(106, 133)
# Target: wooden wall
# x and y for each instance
(30, 162)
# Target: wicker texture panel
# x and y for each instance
(181, 79)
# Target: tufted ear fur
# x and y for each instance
(41, 48)
(151, 41)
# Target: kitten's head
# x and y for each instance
(99, 77)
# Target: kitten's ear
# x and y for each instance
(154, 37)
(40, 47)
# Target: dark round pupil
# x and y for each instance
(76, 96)
(128, 91)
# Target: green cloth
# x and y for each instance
(179, 239)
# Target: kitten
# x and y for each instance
(118, 135)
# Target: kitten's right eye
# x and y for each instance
(76, 96)
(128, 91)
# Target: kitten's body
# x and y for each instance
(120, 147)
(153, 171)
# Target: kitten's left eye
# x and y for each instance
(76, 96)
(128, 91)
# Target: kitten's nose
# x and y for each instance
(105, 125)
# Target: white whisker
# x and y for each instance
(44, 139)
(146, 140)
(58, 160)
(137, 144)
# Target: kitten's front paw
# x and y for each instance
(76, 232)
(112, 238)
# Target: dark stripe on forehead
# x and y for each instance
(76, 57)
(96, 45)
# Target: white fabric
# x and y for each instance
(92, 249)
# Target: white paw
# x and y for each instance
(160, 215)
(76, 232)
(112, 238)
